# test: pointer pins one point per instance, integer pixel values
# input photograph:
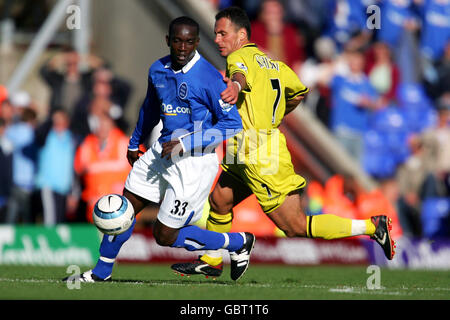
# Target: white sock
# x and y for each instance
(358, 227)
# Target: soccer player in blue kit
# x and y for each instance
(178, 171)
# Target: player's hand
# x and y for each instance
(133, 155)
(231, 93)
(170, 148)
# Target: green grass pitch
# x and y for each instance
(261, 282)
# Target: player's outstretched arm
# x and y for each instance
(148, 119)
(234, 85)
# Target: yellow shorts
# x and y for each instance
(269, 175)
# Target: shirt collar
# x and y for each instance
(188, 66)
(250, 44)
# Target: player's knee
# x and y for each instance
(164, 237)
(294, 231)
(219, 206)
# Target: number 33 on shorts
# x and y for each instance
(179, 208)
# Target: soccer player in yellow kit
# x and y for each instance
(257, 160)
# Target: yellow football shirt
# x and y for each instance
(258, 155)
(270, 83)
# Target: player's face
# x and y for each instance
(182, 42)
(228, 37)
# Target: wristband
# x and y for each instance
(239, 85)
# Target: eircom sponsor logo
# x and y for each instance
(170, 110)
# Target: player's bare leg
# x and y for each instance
(289, 217)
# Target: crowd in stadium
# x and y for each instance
(381, 87)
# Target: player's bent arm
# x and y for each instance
(293, 103)
(148, 119)
(207, 140)
(227, 120)
(240, 79)
(235, 85)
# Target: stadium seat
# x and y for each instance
(420, 118)
(416, 106)
(390, 119)
(377, 160)
(392, 132)
(435, 217)
(412, 94)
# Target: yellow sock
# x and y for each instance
(370, 227)
(328, 226)
(218, 223)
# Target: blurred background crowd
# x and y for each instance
(379, 81)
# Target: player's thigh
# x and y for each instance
(228, 192)
(289, 216)
(138, 202)
(145, 181)
(189, 183)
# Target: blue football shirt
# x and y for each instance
(188, 103)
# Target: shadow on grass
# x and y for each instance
(175, 282)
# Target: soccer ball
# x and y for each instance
(113, 214)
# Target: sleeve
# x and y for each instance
(51, 77)
(148, 118)
(226, 120)
(236, 63)
(293, 86)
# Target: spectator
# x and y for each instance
(316, 74)
(410, 177)
(310, 17)
(434, 35)
(347, 24)
(436, 28)
(55, 167)
(6, 149)
(438, 87)
(19, 101)
(91, 107)
(101, 164)
(436, 143)
(7, 112)
(383, 74)
(353, 98)
(21, 135)
(67, 83)
(396, 16)
(120, 89)
(280, 40)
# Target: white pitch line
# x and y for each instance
(343, 289)
(354, 290)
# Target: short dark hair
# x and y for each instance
(238, 17)
(184, 20)
(28, 115)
